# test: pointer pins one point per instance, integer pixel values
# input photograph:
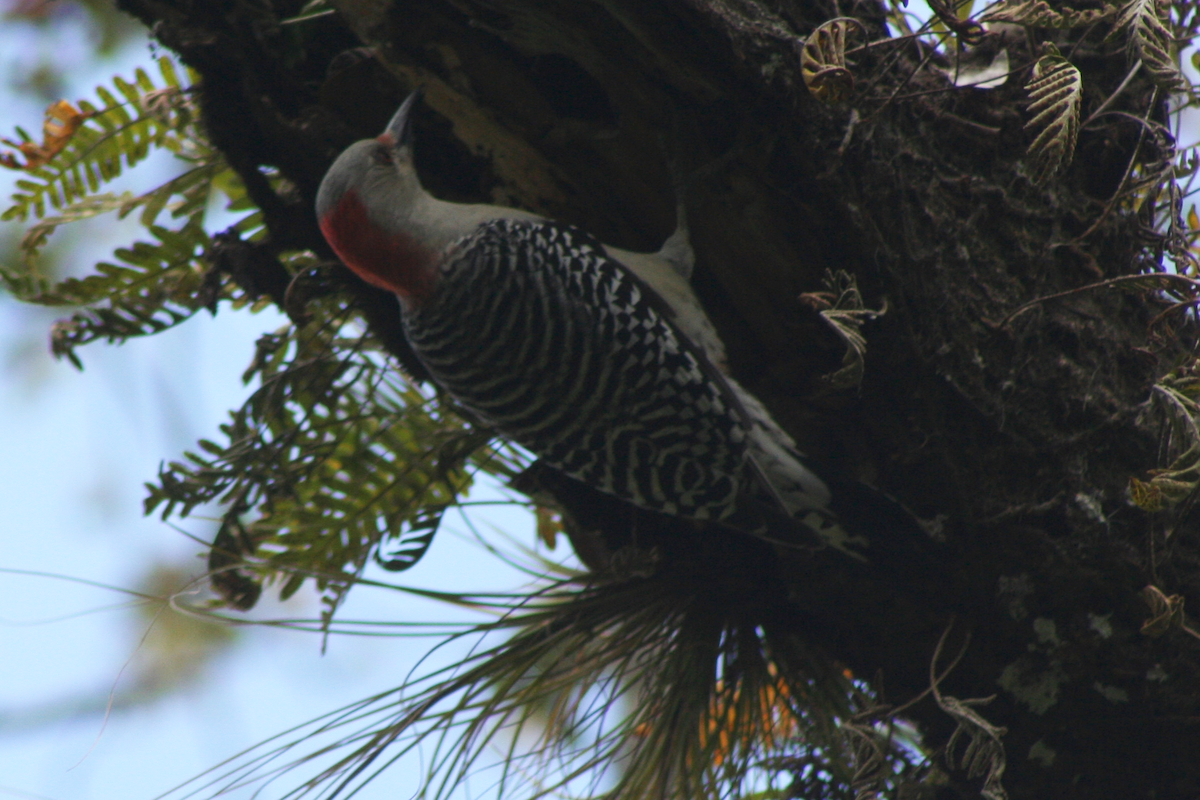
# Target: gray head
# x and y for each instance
(366, 209)
(378, 169)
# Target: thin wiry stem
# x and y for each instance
(655, 689)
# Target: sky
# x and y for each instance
(75, 449)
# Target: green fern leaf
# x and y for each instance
(341, 461)
(167, 68)
(119, 134)
(153, 285)
(94, 205)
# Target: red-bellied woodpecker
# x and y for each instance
(600, 361)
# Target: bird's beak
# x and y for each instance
(399, 132)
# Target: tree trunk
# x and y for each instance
(1015, 438)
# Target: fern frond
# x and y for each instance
(153, 285)
(1055, 93)
(841, 306)
(156, 286)
(192, 187)
(338, 459)
(92, 206)
(1039, 14)
(109, 139)
(1148, 38)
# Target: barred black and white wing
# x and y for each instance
(537, 331)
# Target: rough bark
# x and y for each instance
(1016, 437)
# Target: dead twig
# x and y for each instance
(984, 754)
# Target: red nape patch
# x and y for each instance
(391, 261)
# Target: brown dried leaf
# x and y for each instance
(1151, 40)
(823, 61)
(842, 308)
(549, 526)
(1166, 612)
(983, 755)
(62, 121)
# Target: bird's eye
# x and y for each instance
(382, 155)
